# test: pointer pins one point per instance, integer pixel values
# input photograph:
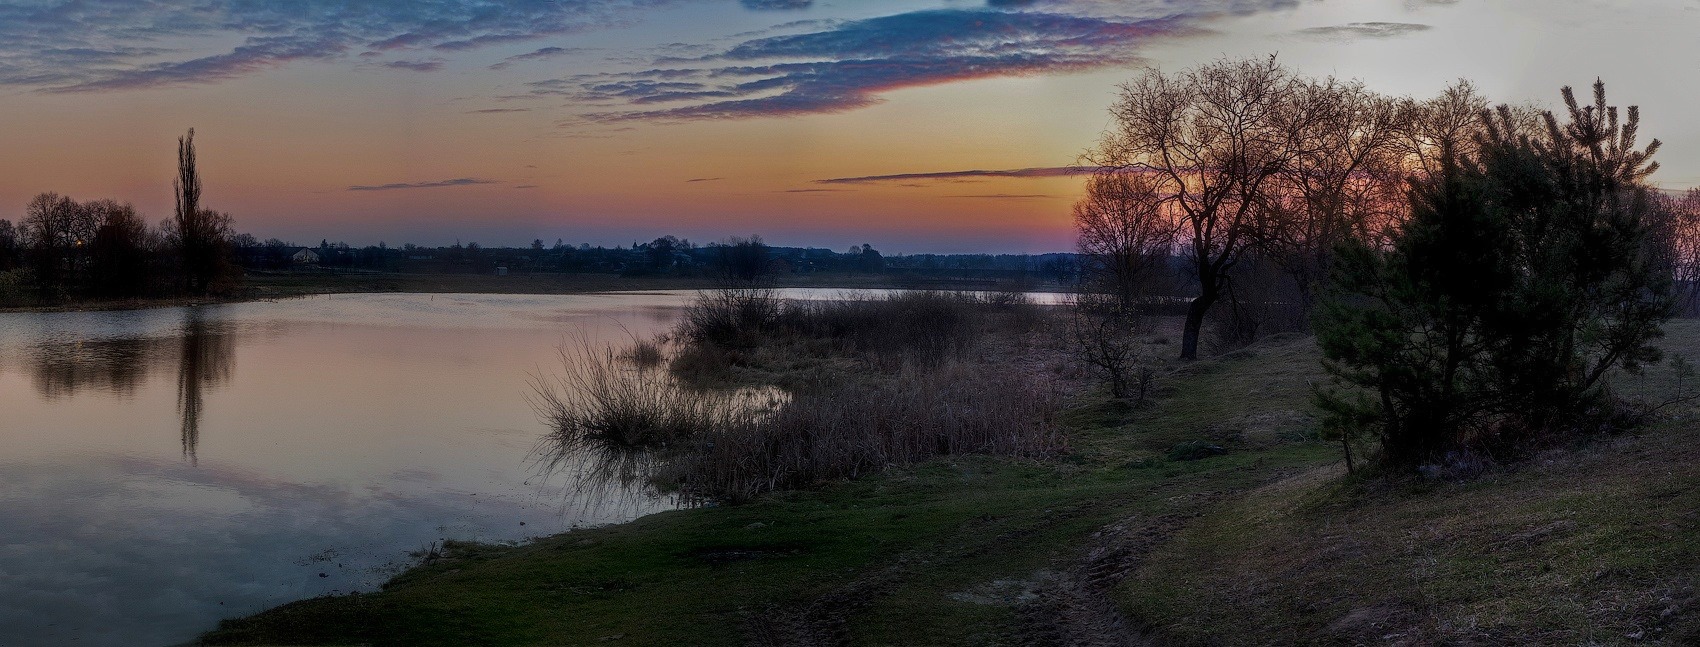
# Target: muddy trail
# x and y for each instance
(1067, 607)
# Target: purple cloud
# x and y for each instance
(464, 181)
(851, 64)
(259, 54)
(536, 55)
(422, 65)
(105, 45)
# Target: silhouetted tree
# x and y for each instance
(8, 246)
(119, 253)
(1214, 138)
(201, 236)
(1681, 231)
(1345, 181)
(870, 259)
(1125, 237)
(661, 251)
(742, 259)
(1526, 274)
(56, 232)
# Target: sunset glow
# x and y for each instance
(811, 123)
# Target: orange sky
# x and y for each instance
(599, 114)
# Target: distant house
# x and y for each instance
(304, 256)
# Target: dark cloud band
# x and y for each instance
(1035, 172)
(464, 181)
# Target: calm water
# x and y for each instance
(163, 469)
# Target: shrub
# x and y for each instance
(16, 287)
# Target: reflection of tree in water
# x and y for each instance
(206, 360)
(114, 365)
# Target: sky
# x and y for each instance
(917, 126)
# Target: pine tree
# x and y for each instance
(1526, 275)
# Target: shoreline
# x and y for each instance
(268, 286)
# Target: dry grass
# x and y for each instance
(842, 431)
(893, 330)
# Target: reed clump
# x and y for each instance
(843, 431)
(643, 421)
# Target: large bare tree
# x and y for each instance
(1214, 138)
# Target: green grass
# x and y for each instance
(1269, 543)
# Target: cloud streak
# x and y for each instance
(422, 65)
(1034, 172)
(536, 55)
(1359, 30)
(464, 181)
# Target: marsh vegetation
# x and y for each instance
(753, 393)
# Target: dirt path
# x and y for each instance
(1078, 608)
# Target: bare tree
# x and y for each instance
(1346, 181)
(56, 232)
(1126, 235)
(1681, 232)
(1215, 137)
(1430, 128)
(1109, 343)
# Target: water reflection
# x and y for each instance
(207, 360)
(117, 366)
(202, 352)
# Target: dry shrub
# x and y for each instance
(921, 327)
(833, 432)
(602, 401)
(731, 317)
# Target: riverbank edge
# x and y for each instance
(272, 286)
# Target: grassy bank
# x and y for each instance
(1262, 540)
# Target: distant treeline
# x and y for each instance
(744, 258)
